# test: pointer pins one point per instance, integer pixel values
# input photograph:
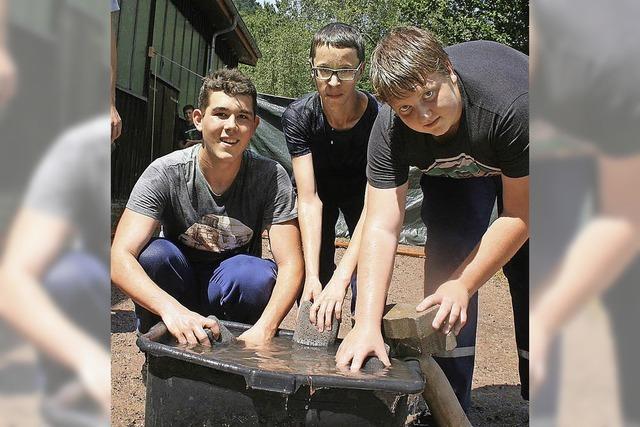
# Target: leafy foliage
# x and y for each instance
(284, 31)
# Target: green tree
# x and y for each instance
(455, 21)
(246, 6)
(284, 31)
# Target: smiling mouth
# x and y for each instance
(230, 141)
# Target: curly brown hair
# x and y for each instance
(230, 81)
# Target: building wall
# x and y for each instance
(152, 91)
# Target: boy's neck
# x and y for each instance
(218, 173)
(345, 116)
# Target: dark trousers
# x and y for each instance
(351, 210)
(79, 284)
(237, 288)
(457, 212)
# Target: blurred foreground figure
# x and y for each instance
(54, 281)
(585, 110)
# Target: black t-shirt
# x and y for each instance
(339, 156)
(186, 131)
(493, 136)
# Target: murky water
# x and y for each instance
(284, 356)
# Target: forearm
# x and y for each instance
(310, 220)
(128, 275)
(498, 244)
(349, 261)
(375, 268)
(285, 291)
(30, 310)
(594, 261)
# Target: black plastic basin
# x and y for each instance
(291, 385)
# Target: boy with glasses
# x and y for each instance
(461, 115)
(327, 133)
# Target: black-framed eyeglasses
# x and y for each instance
(343, 74)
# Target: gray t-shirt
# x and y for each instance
(72, 184)
(209, 227)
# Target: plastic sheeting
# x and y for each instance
(269, 141)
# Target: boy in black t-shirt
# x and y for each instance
(327, 134)
(186, 134)
(461, 116)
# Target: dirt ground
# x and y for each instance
(496, 390)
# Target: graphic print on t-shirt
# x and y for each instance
(216, 233)
(461, 166)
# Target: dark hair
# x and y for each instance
(338, 35)
(403, 59)
(230, 81)
(185, 108)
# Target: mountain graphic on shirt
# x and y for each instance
(461, 166)
(217, 233)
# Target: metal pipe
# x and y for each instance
(212, 51)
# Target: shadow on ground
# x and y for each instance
(122, 321)
(498, 405)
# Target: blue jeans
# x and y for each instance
(457, 213)
(236, 289)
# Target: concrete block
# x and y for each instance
(307, 334)
(402, 321)
(225, 334)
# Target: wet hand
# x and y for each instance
(360, 343)
(453, 298)
(312, 289)
(328, 304)
(256, 336)
(188, 327)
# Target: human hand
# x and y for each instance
(8, 76)
(312, 289)
(359, 343)
(188, 327)
(94, 373)
(256, 336)
(453, 298)
(116, 123)
(328, 304)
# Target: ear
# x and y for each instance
(256, 123)
(197, 117)
(452, 74)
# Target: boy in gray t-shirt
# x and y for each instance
(213, 202)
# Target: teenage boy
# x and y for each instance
(327, 133)
(460, 115)
(213, 201)
(186, 134)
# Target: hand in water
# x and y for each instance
(360, 343)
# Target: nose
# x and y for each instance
(334, 81)
(230, 123)
(425, 111)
